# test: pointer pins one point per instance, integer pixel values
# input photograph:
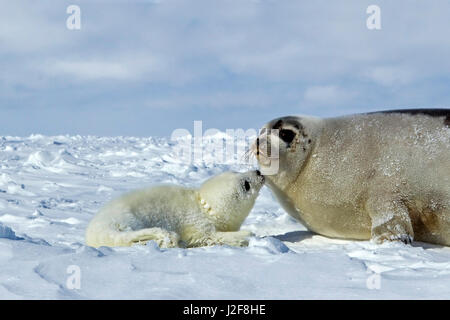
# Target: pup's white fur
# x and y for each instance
(173, 215)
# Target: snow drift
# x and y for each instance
(50, 187)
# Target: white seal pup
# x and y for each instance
(173, 215)
(381, 176)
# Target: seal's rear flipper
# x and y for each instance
(113, 238)
(164, 238)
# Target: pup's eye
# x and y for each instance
(246, 185)
(287, 135)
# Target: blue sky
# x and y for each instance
(148, 67)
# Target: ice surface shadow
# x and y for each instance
(426, 245)
(295, 236)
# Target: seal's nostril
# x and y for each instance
(257, 146)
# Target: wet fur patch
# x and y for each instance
(428, 112)
(292, 121)
(277, 124)
(427, 220)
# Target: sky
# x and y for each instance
(146, 68)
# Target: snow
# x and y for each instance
(50, 187)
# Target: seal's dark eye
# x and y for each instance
(246, 185)
(287, 135)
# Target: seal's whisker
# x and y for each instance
(247, 156)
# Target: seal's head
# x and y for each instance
(228, 198)
(283, 146)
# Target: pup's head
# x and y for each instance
(292, 139)
(229, 197)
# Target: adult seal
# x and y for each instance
(381, 176)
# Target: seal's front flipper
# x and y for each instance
(390, 220)
(235, 239)
(195, 237)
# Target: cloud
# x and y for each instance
(206, 56)
(218, 99)
(128, 68)
(91, 69)
(327, 95)
(391, 75)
